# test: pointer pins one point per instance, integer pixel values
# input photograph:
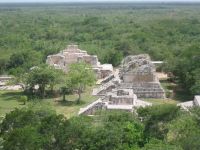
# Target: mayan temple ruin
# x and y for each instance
(139, 73)
(115, 100)
(120, 89)
(135, 79)
(72, 54)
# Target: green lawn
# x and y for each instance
(8, 101)
(71, 108)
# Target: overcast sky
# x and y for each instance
(98, 0)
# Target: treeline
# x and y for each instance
(162, 127)
(168, 33)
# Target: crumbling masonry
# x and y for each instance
(139, 73)
(73, 54)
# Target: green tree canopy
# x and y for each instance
(43, 76)
(79, 76)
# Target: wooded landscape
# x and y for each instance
(30, 32)
(165, 32)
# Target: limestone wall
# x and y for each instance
(121, 101)
(129, 78)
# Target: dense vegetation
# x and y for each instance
(31, 32)
(163, 127)
(167, 32)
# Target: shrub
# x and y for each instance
(23, 99)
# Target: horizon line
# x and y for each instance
(120, 1)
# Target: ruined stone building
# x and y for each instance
(139, 73)
(72, 54)
(121, 89)
(135, 79)
(115, 100)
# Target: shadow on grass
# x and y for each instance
(182, 95)
(70, 103)
(10, 95)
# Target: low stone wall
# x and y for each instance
(150, 94)
(92, 108)
(121, 101)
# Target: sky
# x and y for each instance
(10, 1)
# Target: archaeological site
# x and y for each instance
(72, 54)
(136, 78)
(120, 88)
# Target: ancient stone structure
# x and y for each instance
(4, 84)
(139, 73)
(115, 100)
(121, 97)
(92, 108)
(135, 79)
(190, 104)
(73, 54)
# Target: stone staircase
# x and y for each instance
(101, 91)
(91, 108)
(145, 90)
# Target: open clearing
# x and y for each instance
(9, 101)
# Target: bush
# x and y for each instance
(23, 99)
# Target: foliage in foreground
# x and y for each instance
(33, 128)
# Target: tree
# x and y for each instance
(23, 138)
(64, 90)
(156, 119)
(42, 76)
(195, 88)
(155, 144)
(185, 130)
(3, 63)
(79, 76)
(29, 128)
(22, 61)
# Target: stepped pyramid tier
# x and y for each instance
(115, 100)
(72, 54)
(138, 73)
(135, 79)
